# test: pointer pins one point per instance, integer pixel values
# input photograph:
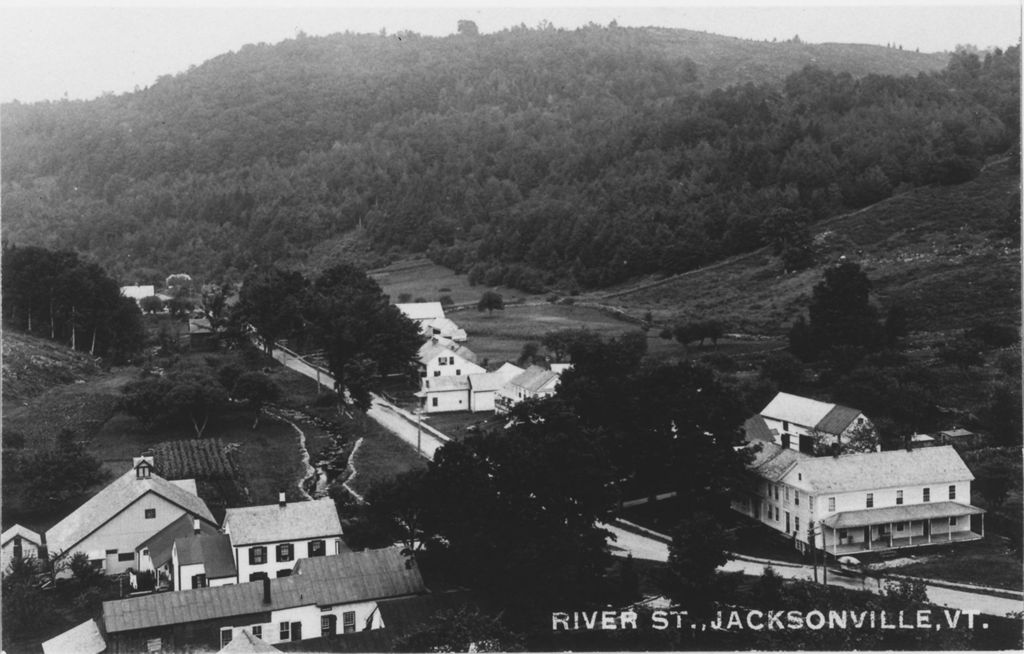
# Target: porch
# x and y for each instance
(903, 542)
(900, 527)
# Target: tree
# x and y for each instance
(396, 509)
(180, 307)
(26, 606)
(562, 342)
(841, 314)
(465, 629)
(145, 399)
(42, 479)
(783, 369)
(195, 395)
(151, 304)
(257, 389)
(697, 551)
(1003, 416)
(490, 301)
(271, 301)
(994, 479)
(468, 28)
(529, 354)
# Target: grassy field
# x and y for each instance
(428, 282)
(381, 456)
(988, 562)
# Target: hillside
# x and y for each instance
(33, 365)
(942, 252)
(530, 158)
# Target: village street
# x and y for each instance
(403, 425)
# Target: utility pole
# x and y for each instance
(419, 429)
(813, 542)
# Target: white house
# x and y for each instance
(326, 596)
(422, 313)
(269, 540)
(444, 328)
(800, 422)
(138, 292)
(442, 358)
(441, 394)
(19, 543)
(155, 554)
(133, 508)
(863, 502)
(201, 560)
(483, 387)
(534, 382)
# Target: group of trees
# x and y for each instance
(44, 477)
(344, 314)
(526, 158)
(59, 296)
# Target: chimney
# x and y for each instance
(281, 500)
(266, 590)
(195, 526)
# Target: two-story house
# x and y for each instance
(533, 383)
(801, 423)
(863, 502)
(19, 543)
(269, 540)
(201, 560)
(325, 596)
(130, 510)
(443, 358)
(155, 554)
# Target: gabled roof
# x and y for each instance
(492, 381)
(322, 581)
(903, 513)
(113, 499)
(273, 523)
(441, 347)
(246, 643)
(86, 638)
(756, 429)
(534, 378)
(160, 543)
(446, 325)
(421, 310)
(24, 532)
(773, 461)
(212, 550)
(823, 416)
(889, 469)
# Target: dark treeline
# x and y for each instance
(528, 157)
(58, 296)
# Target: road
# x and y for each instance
(644, 547)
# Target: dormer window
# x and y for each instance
(143, 470)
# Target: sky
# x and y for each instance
(51, 50)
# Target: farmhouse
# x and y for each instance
(440, 394)
(801, 423)
(443, 358)
(534, 382)
(19, 543)
(269, 540)
(862, 502)
(155, 554)
(133, 508)
(483, 387)
(326, 596)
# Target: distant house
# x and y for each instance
(132, 509)
(483, 387)
(201, 560)
(19, 543)
(534, 382)
(86, 638)
(202, 337)
(422, 313)
(862, 502)
(244, 642)
(443, 358)
(445, 328)
(800, 422)
(443, 394)
(138, 292)
(269, 540)
(958, 437)
(326, 596)
(155, 554)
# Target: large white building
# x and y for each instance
(862, 502)
(533, 383)
(269, 540)
(801, 423)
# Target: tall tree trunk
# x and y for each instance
(53, 331)
(30, 320)
(73, 330)
(92, 347)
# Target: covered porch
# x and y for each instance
(896, 527)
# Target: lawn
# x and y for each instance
(989, 562)
(424, 281)
(381, 456)
(461, 424)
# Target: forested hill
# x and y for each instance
(528, 157)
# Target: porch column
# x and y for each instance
(835, 542)
(929, 523)
(949, 531)
(890, 534)
(982, 525)
(910, 531)
(867, 535)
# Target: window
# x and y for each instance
(285, 631)
(953, 520)
(871, 500)
(284, 573)
(776, 492)
(899, 526)
(952, 491)
(799, 476)
(433, 401)
(126, 556)
(285, 552)
(225, 636)
(437, 373)
(17, 547)
(316, 548)
(776, 514)
(257, 555)
(831, 504)
(926, 495)
(142, 471)
(348, 622)
(150, 514)
(458, 372)
(796, 525)
(787, 493)
(256, 576)
(796, 497)
(199, 581)
(842, 534)
(257, 630)
(111, 552)
(899, 497)
(785, 425)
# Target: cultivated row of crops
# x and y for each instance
(196, 459)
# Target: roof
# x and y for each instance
(322, 581)
(200, 326)
(113, 499)
(212, 550)
(773, 461)
(138, 292)
(871, 470)
(492, 381)
(901, 513)
(446, 383)
(533, 378)
(422, 310)
(24, 532)
(837, 420)
(442, 347)
(757, 429)
(956, 433)
(246, 643)
(160, 543)
(446, 325)
(186, 485)
(83, 639)
(271, 523)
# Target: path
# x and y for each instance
(655, 549)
